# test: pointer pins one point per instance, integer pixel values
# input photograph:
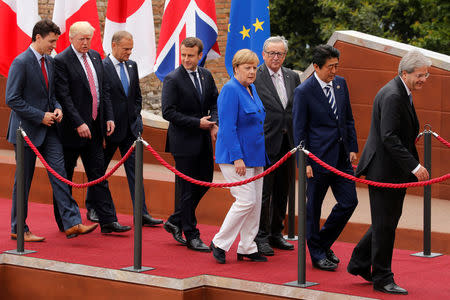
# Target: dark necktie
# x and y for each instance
(197, 84)
(123, 78)
(44, 72)
(331, 100)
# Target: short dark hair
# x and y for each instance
(191, 42)
(322, 53)
(43, 28)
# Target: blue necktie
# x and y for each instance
(123, 78)
(197, 84)
(331, 100)
(410, 99)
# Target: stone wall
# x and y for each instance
(150, 85)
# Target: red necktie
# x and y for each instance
(91, 86)
(44, 72)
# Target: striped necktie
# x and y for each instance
(331, 100)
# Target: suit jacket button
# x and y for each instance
(259, 110)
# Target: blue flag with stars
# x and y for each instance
(249, 27)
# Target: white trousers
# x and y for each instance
(243, 216)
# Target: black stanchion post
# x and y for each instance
(301, 281)
(291, 202)
(138, 204)
(427, 197)
(20, 197)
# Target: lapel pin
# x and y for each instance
(338, 87)
(129, 66)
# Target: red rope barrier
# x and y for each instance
(213, 184)
(374, 183)
(440, 139)
(75, 185)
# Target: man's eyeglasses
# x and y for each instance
(273, 54)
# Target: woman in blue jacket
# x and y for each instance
(240, 153)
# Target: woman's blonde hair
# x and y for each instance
(244, 56)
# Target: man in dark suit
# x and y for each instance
(390, 155)
(189, 103)
(125, 95)
(82, 89)
(275, 85)
(30, 92)
(323, 121)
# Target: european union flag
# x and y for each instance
(249, 27)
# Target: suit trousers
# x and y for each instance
(200, 167)
(94, 165)
(52, 151)
(275, 195)
(344, 191)
(377, 245)
(129, 166)
(243, 216)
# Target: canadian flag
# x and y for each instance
(67, 12)
(17, 19)
(136, 17)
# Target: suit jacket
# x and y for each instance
(278, 119)
(390, 153)
(241, 132)
(28, 96)
(183, 108)
(72, 90)
(126, 109)
(315, 123)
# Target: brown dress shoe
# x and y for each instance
(79, 229)
(28, 237)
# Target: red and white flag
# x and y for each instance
(136, 17)
(67, 12)
(17, 19)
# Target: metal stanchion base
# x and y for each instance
(303, 285)
(19, 252)
(295, 238)
(132, 269)
(421, 254)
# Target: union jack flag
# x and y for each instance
(181, 19)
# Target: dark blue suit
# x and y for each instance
(29, 99)
(331, 140)
(127, 118)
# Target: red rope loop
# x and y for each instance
(76, 185)
(213, 184)
(440, 139)
(374, 183)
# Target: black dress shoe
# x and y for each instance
(391, 288)
(280, 243)
(92, 216)
(331, 256)
(252, 256)
(175, 231)
(197, 245)
(218, 253)
(358, 272)
(114, 227)
(265, 249)
(147, 220)
(325, 264)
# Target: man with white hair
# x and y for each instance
(390, 155)
(84, 95)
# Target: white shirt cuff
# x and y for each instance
(416, 169)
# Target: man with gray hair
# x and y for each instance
(83, 91)
(275, 85)
(390, 155)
